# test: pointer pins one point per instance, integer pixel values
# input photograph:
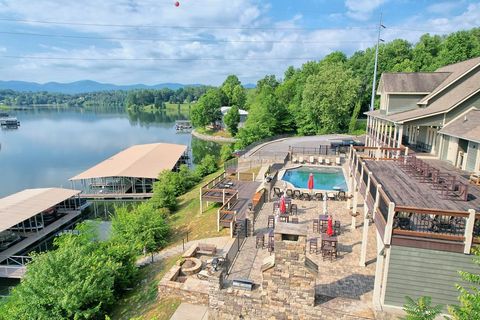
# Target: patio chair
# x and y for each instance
(456, 191)
(293, 209)
(284, 218)
(294, 220)
(294, 160)
(260, 241)
(306, 196)
(277, 192)
(402, 221)
(316, 225)
(442, 224)
(475, 178)
(337, 161)
(312, 159)
(318, 196)
(289, 193)
(271, 222)
(329, 250)
(296, 194)
(336, 227)
(327, 161)
(300, 160)
(320, 160)
(276, 205)
(341, 196)
(313, 245)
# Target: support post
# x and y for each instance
(469, 231)
(201, 200)
(377, 200)
(377, 286)
(355, 203)
(366, 222)
(389, 227)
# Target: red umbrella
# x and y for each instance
(310, 182)
(330, 226)
(283, 205)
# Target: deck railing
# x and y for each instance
(225, 214)
(435, 224)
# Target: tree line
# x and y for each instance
(131, 98)
(327, 96)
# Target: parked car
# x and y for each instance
(345, 143)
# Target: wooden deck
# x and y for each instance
(405, 190)
(115, 196)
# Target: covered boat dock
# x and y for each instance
(28, 217)
(130, 174)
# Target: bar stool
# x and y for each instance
(316, 225)
(313, 245)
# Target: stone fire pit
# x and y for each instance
(191, 266)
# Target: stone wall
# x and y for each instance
(169, 287)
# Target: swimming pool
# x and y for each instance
(324, 178)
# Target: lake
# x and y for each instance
(52, 145)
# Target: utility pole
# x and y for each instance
(380, 26)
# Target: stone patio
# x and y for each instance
(341, 284)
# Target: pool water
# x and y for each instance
(324, 178)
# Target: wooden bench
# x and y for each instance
(190, 252)
(207, 249)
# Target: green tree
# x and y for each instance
(421, 309)
(469, 298)
(226, 152)
(232, 119)
(239, 97)
(425, 52)
(207, 110)
(459, 46)
(228, 88)
(207, 166)
(164, 191)
(75, 281)
(353, 120)
(328, 100)
(144, 227)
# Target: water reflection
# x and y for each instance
(53, 145)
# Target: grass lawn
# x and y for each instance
(214, 133)
(143, 302)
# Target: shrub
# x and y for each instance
(207, 166)
(421, 309)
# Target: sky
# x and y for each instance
(202, 41)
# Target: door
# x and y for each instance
(471, 156)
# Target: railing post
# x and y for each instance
(218, 220)
(469, 231)
(377, 200)
(367, 187)
(201, 200)
(379, 152)
(389, 227)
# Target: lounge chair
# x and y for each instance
(296, 194)
(277, 192)
(318, 196)
(475, 178)
(320, 160)
(327, 162)
(337, 161)
(294, 160)
(300, 159)
(312, 159)
(289, 193)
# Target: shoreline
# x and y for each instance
(206, 137)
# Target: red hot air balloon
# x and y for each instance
(177, 4)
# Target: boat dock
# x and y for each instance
(32, 216)
(183, 126)
(8, 121)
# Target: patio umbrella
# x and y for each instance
(325, 203)
(283, 205)
(310, 182)
(330, 226)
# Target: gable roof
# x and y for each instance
(139, 161)
(456, 70)
(23, 205)
(411, 82)
(466, 126)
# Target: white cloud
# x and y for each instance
(444, 8)
(362, 9)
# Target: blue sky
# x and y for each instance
(201, 41)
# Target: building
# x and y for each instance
(413, 179)
(130, 174)
(435, 113)
(28, 218)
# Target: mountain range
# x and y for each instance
(86, 86)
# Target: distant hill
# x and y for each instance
(82, 86)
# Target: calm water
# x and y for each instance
(52, 145)
(324, 178)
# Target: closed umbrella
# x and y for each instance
(283, 205)
(325, 203)
(330, 226)
(310, 182)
